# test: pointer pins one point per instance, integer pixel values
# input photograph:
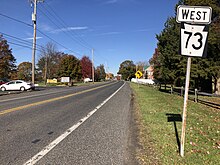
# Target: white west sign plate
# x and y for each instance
(193, 40)
(194, 14)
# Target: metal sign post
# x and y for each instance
(185, 107)
(138, 75)
(193, 43)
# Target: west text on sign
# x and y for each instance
(194, 14)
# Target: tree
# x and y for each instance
(141, 65)
(156, 64)
(127, 69)
(24, 71)
(48, 62)
(100, 73)
(171, 67)
(69, 66)
(215, 51)
(212, 63)
(7, 60)
(86, 65)
(168, 46)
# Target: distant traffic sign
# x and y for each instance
(194, 14)
(138, 74)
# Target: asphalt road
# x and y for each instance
(78, 124)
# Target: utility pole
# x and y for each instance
(46, 60)
(106, 70)
(93, 66)
(34, 20)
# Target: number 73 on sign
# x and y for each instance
(194, 40)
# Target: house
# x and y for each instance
(149, 72)
(109, 76)
(118, 77)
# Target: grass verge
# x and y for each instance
(160, 129)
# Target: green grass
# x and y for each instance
(202, 144)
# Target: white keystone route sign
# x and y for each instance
(194, 29)
(194, 40)
(194, 14)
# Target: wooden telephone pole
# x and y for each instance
(34, 20)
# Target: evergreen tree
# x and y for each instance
(170, 67)
(70, 67)
(7, 60)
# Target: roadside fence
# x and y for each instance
(194, 94)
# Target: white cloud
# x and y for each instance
(45, 27)
(108, 33)
(69, 29)
(31, 38)
(111, 1)
(143, 30)
(108, 2)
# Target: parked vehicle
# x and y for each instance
(3, 81)
(17, 85)
(87, 80)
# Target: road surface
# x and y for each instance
(76, 125)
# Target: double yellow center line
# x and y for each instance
(48, 101)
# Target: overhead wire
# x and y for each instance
(14, 19)
(20, 40)
(24, 46)
(73, 34)
(80, 40)
(30, 25)
(58, 42)
(62, 28)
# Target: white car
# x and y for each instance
(16, 85)
(87, 80)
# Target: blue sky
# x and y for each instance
(118, 30)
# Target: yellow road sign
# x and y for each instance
(138, 74)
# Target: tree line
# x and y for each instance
(170, 67)
(51, 64)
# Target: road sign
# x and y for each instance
(194, 14)
(193, 40)
(138, 74)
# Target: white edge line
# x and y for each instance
(54, 143)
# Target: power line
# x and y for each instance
(81, 40)
(21, 45)
(58, 43)
(55, 16)
(14, 19)
(19, 39)
(30, 25)
(62, 27)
